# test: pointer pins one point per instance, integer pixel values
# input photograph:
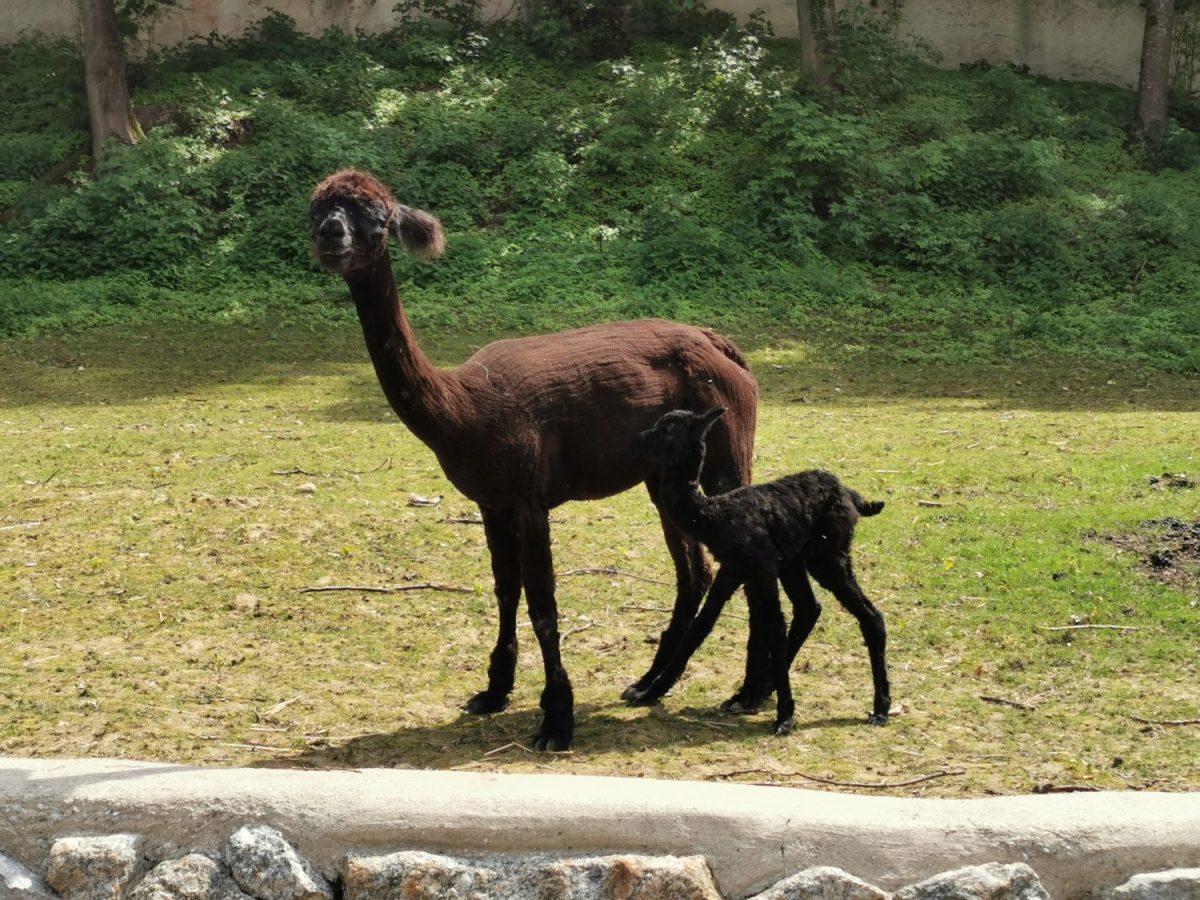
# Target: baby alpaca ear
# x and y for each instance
(707, 418)
(417, 232)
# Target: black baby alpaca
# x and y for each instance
(762, 535)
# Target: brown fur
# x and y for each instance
(529, 423)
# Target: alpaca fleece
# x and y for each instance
(763, 536)
(527, 424)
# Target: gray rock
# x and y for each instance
(1173, 884)
(993, 881)
(20, 883)
(415, 875)
(94, 868)
(265, 865)
(191, 877)
(628, 878)
(822, 883)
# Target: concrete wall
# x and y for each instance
(1096, 40)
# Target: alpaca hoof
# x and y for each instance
(633, 692)
(877, 719)
(744, 702)
(548, 741)
(485, 703)
(634, 697)
(784, 727)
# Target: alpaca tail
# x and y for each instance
(727, 347)
(865, 507)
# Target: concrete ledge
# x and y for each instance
(1079, 844)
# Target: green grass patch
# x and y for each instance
(155, 537)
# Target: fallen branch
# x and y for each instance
(509, 746)
(297, 472)
(635, 608)
(386, 464)
(1000, 701)
(1086, 627)
(462, 520)
(929, 503)
(606, 570)
(575, 630)
(394, 589)
(34, 524)
(875, 785)
(1064, 788)
(1165, 721)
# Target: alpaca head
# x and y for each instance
(678, 437)
(352, 215)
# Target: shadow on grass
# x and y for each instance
(471, 741)
(117, 367)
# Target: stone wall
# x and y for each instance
(112, 829)
(1097, 40)
(258, 862)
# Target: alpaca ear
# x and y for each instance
(417, 232)
(712, 415)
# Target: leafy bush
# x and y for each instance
(944, 215)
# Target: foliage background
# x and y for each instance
(586, 172)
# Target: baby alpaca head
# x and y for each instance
(351, 216)
(677, 437)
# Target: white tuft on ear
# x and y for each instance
(417, 232)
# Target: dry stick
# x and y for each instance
(1165, 721)
(635, 608)
(606, 570)
(296, 472)
(929, 503)
(1002, 702)
(34, 524)
(461, 520)
(854, 784)
(1086, 627)
(510, 745)
(395, 589)
(575, 630)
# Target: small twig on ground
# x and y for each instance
(509, 746)
(1165, 721)
(1000, 701)
(706, 724)
(47, 479)
(929, 503)
(1086, 627)
(854, 784)
(297, 472)
(461, 520)
(606, 570)
(566, 634)
(394, 589)
(34, 524)
(247, 746)
(634, 608)
(279, 707)
(1063, 788)
(386, 464)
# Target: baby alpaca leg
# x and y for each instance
(837, 577)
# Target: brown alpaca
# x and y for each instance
(527, 424)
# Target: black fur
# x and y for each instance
(764, 535)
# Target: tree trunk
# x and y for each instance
(109, 108)
(1150, 114)
(811, 51)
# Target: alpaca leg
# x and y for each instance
(537, 575)
(692, 578)
(837, 576)
(762, 592)
(805, 608)
(722, 473)
(722, 589)
(506, 570)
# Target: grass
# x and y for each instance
(153, 550)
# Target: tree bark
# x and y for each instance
(1150, 113)
(810, 43)
(109, 109)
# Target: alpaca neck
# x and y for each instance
(680, 491)
(414, 387)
